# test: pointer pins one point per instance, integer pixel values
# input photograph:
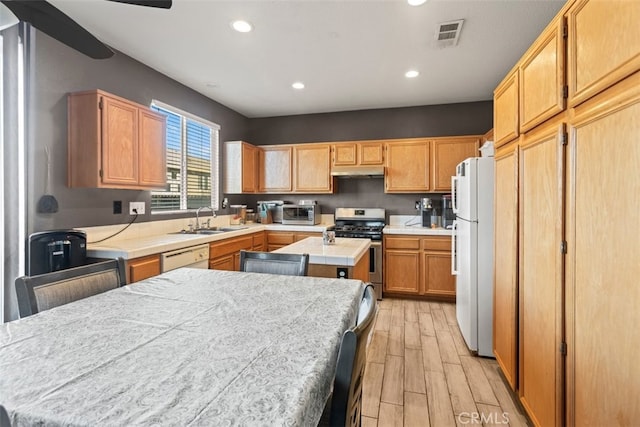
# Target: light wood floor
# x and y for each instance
(420, 373)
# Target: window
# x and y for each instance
(192, 162)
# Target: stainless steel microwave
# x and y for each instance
(301, 214)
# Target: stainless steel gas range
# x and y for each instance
(365, 223)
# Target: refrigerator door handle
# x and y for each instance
(454, 194)
(454, 249)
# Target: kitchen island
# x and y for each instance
(347, 258)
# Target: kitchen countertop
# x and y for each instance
(149, 245)
(415, 229)
(345, 251)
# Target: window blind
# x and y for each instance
(192, 163)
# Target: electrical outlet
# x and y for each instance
(117, 206)
(138, 206)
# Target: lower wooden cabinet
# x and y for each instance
(142, 268)
(280, 239)
(225, 254)
(418, 265)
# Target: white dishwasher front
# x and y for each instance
(192, 257)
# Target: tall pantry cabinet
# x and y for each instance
(566, 124)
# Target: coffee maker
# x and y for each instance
(447, 211)
(430, 214)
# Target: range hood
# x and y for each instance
(357, 171)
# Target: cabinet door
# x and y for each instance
(119, 142)
(275, 169)
(151, 145)
(437, 278)
(345, 154)
(312, 163)
(143, 268)
(603, 47)
(250, 160)
(447, 153)
(542, 78)
(541, 265)
(371, 153)
(402, 272)
(226, 263)
(505, 297)
(505, 110)
(407, 168)
(603, 253)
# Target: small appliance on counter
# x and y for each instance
(301, 214)
(430, 215)
(274, 207)
(49, 251)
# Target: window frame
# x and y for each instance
(215, 159)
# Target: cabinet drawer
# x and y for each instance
(437, 243)
(230, 246)
(303, 235)
(402, 243)
(280, 238)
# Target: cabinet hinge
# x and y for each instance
(565, 138)
(100, 105)
(565, 91)
(565, 31)
(100, 173)
(563, 348)
(563, 247)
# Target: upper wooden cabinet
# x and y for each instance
(312, 168)
(366, 153)
(240, 167)
(542, 77)
(114, 143)
(424, 165)
(275, 169)
(603, 45)
(505, 110)
(447, 153)
(408, 163)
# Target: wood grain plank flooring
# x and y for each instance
(420, 372)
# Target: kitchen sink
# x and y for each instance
(212, 230)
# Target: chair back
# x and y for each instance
(274, 263)
(346, 403)
(5, 421)
(45, 291)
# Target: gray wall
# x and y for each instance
(59, 70)
(474, 118)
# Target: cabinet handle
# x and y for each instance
(454, 247)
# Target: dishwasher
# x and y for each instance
(192, 257)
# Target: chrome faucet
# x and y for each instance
(198, 215)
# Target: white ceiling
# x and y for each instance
(351, 54)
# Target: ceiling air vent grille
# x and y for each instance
(448, 33)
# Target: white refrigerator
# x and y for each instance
(472, 251)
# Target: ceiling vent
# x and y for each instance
(448, 33)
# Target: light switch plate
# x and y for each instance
(138, 206)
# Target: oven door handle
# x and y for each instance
(454, 247)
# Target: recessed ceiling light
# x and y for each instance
(416, 2)
(411, 74)
(241, 26)
(298, 85)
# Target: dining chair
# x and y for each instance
(5, 421)
(274, 263)
(45, 291)
(346, 401)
